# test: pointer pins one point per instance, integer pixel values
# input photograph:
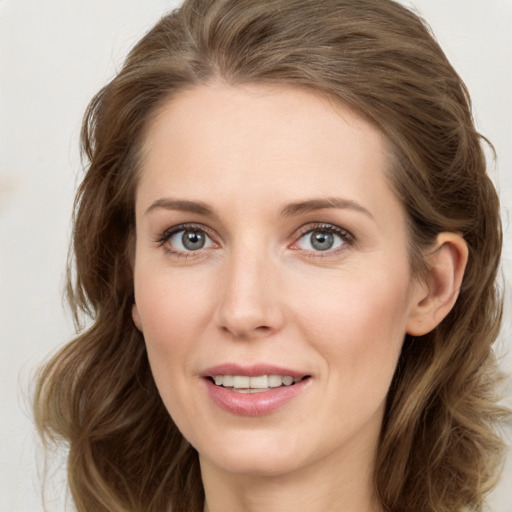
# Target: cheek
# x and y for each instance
(357, 300)
(173, 307)
(359, 324)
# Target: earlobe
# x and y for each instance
(435, 297)
(136, 317)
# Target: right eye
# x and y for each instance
(190, 240)
(182, 240)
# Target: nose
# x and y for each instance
(249, 297)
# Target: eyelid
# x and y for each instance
(186, 226)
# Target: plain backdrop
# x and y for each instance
(54, 55)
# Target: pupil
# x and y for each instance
(322, 240)
(193, 240)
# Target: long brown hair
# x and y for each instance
(438, 450)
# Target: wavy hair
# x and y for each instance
(439, 450)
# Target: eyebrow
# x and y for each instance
(311, 205)
(182, 205)
(290, 210)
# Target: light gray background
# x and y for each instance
(54, 55)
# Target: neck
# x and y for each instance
(324, 486)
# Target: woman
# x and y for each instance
(288, 245)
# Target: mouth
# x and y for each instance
(255, 383)
(255, 390)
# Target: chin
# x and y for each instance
(244, 455)
(254, 466)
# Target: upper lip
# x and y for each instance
(251, 370)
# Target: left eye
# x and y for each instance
(321, 240)
(190, 240)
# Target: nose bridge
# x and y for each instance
(248, 301)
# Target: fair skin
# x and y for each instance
(269, 242)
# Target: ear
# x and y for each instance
(434, 297)
(136, 317)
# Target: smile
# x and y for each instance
(254, 391)
(255, 384)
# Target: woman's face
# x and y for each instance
(270, 249)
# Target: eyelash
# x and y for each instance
(168, 233)
(346, 237)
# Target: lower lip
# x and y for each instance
(254, 404)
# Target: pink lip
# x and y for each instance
(252, 404)
(250, 371)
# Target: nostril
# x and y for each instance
(242, 333)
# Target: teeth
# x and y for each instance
(241, 382)
(257, 382)
(260, 382)
(274, 381)
(228, 381)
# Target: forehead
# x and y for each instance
(257, 110)
(261, 142)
